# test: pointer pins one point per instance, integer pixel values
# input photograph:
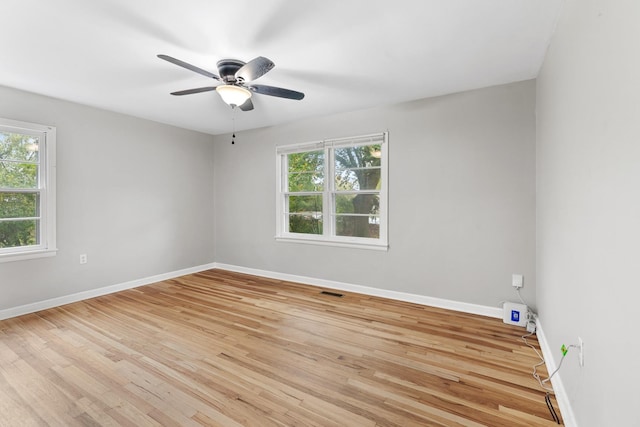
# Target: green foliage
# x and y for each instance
(306, 174)
(356, 169)
(306, 224)
(306, 171)
(18, 233)
(18, 170)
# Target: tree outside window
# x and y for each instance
(334, 190)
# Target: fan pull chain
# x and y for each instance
(233, 115)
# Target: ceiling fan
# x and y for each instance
(235, 76)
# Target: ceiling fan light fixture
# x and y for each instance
(233, 95)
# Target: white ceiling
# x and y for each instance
(343, 54)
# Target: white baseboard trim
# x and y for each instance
(67, 299)
(562, 397)
(347, 287)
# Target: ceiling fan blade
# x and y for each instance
(196, 90)
(255, 69)
(247, 106)
(188, 66)
(276, 91)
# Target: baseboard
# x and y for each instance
(67, 299)
(367, 290)
(558, 386)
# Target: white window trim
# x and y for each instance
(282, 232)
(47, 246)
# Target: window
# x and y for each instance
(334, 192)
(27, 190)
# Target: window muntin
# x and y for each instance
(350, 207)
(27, 190)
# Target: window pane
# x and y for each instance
(358, 168)
(365, 156)
(18, 175)
(306, 171)
(358, 226)
(305, 204)
(15, 146)
(305, 181)
(305, 214)
(307, 224)
(19, 233)
(19, 205)
(358, 179)
(357, 203)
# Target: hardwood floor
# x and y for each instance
(225, 349)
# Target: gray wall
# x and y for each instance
(461, 197)
(134, 195)
(588, 206)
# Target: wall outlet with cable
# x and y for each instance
(581, 352)
(517, 280)
(579, 347)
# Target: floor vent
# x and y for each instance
(332, 294)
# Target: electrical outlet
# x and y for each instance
(83, 258)
(517, 280)
(581, 351)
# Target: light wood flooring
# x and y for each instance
(225, 349)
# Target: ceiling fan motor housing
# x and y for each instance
(227, 68)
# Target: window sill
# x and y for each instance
(21, 256)
(341, 244)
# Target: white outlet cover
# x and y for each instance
(517, 280)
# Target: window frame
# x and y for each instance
(329, 192)
(46, 189)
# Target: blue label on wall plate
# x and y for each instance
(515, 316)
